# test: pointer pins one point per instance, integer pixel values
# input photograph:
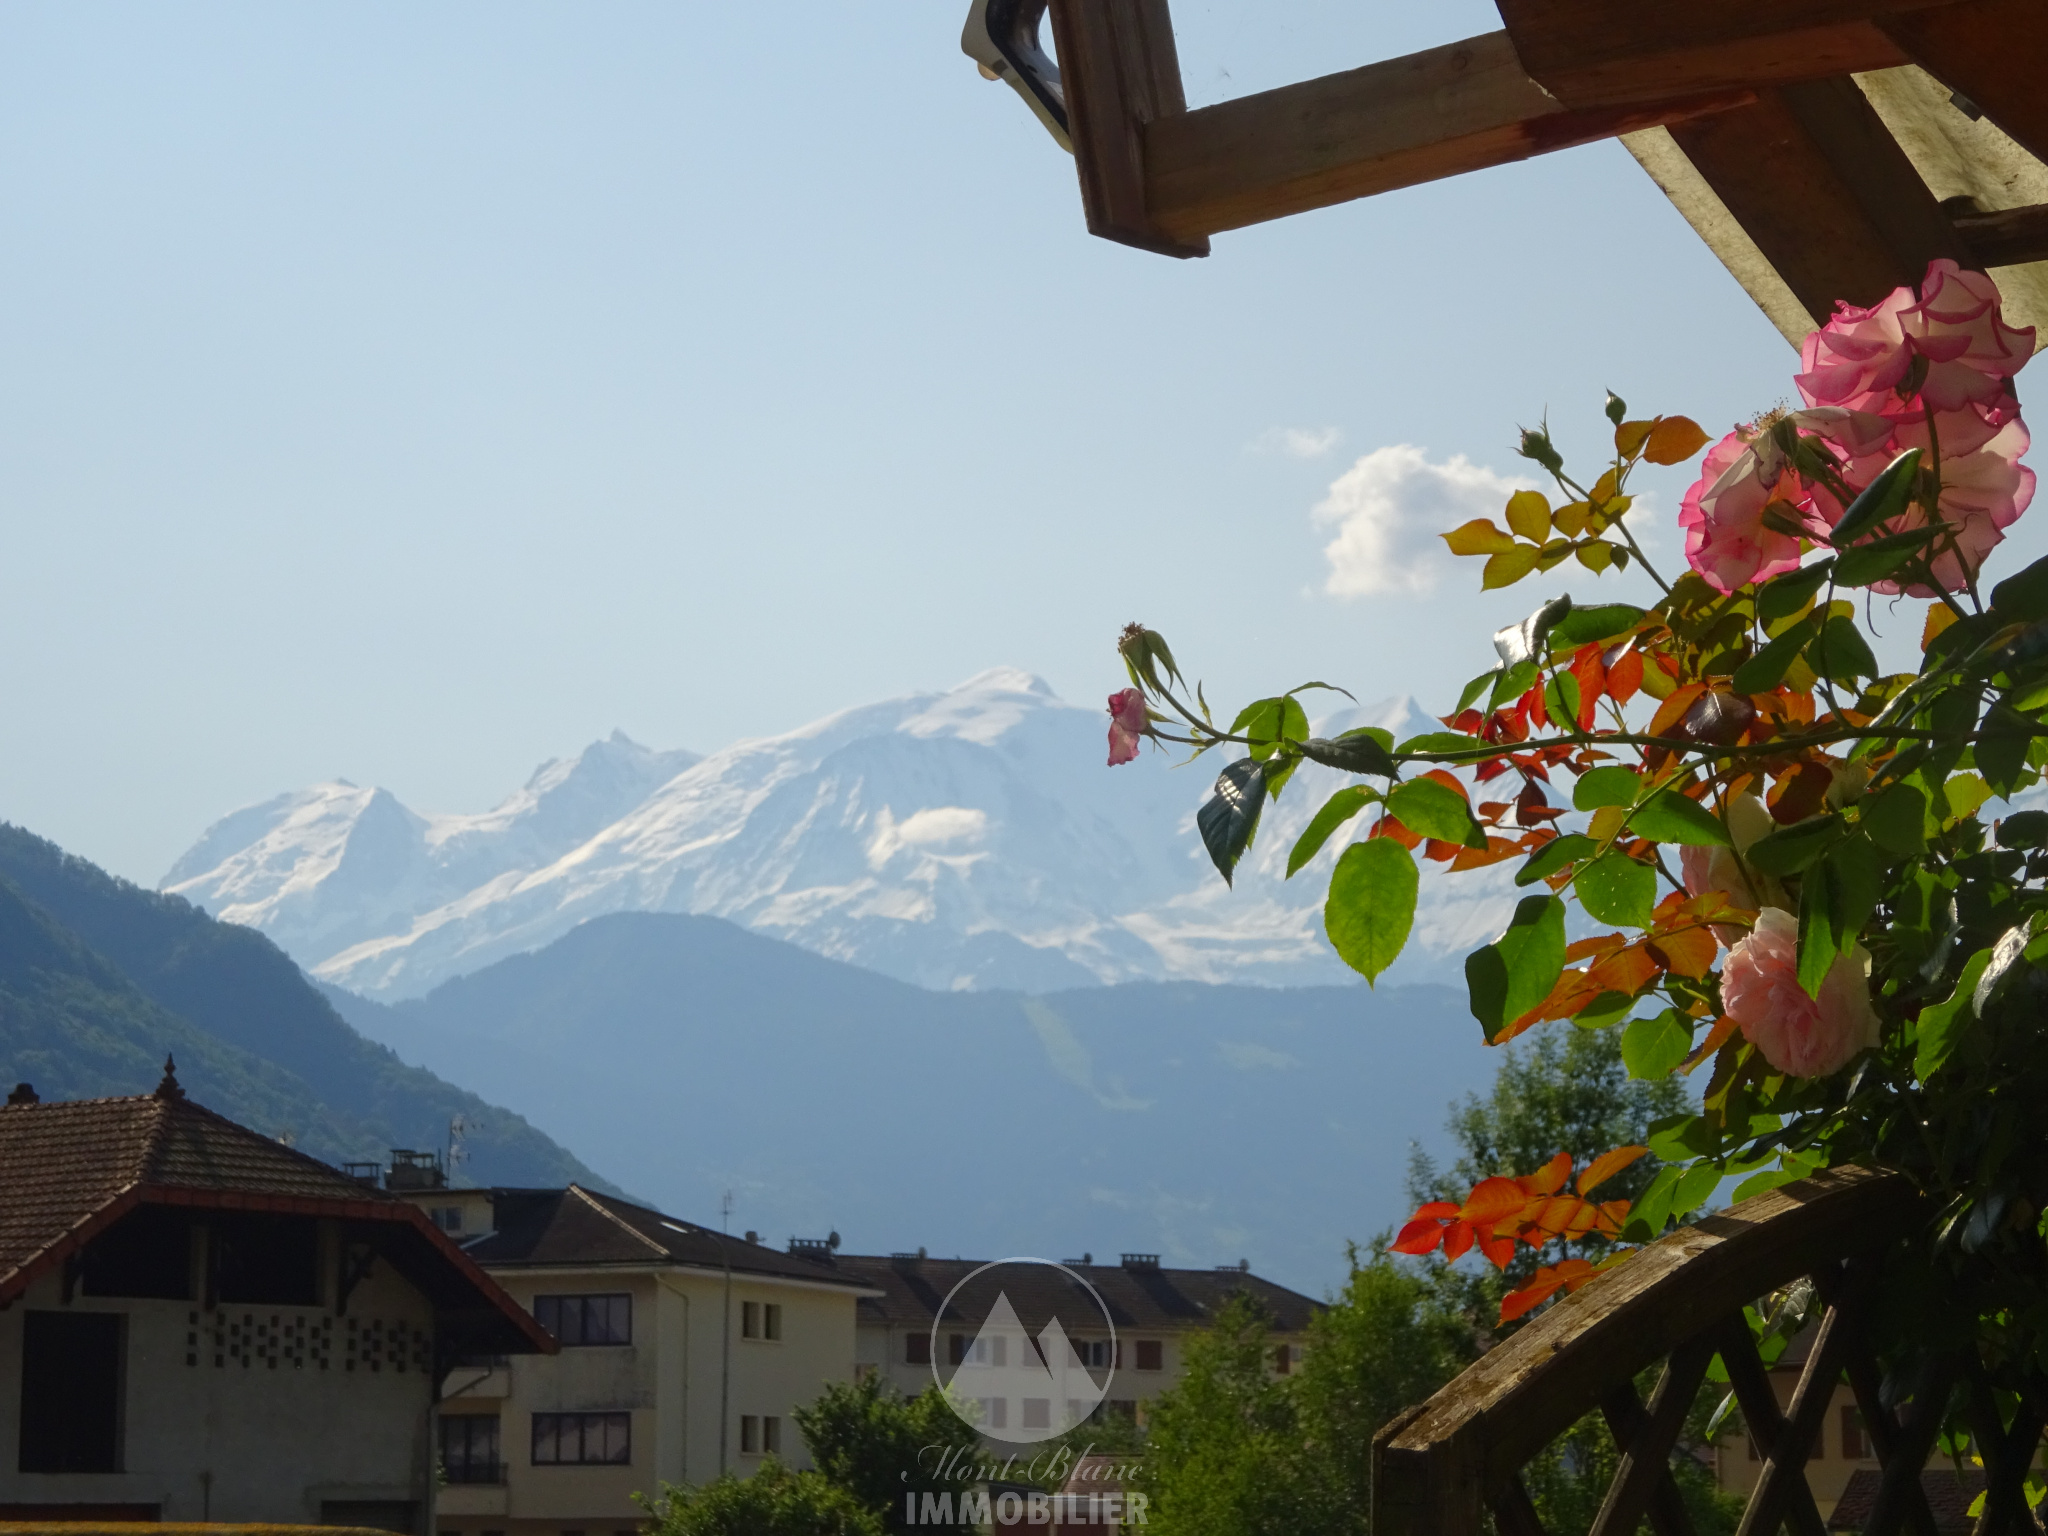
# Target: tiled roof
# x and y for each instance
(1138, 1296)
(69, 1170)
(1948, 1495)
(580, 1226)
(63, 1164)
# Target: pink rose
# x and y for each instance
(1127, 723)
(1727, 537)
(1861, 356)
(1798, 1035)
(1982, 493)
(1707, 870)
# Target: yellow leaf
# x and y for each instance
(1509, 566)
(1604, 489)
(1939, 617)
(1673, 440)
(1529, 515)
(1799, 677)
(1965, 793)
(1479, 537)
(1571, 518)
(1657, 683)
(1608, 819)
(1556, 552)
(1597, 555)
(1630, 436)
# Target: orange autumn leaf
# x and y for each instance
(1390, 826)
(1492, 1200)
(1673, 440)
(1626, 971)
(1567, 1274)
(1550, 1178)
(1496, 849)
(1592, 680)
(1625, 677)
(1418, 1236)
(1674, 708)
(1499, 1251)
(1457, 1239)
(1687, 952)
(1716, 1038)
(1449, 781)
(1581, 949)
(1607, 1165)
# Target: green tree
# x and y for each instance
(869, 1440)
(773, 1502)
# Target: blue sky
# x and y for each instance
(411, 393)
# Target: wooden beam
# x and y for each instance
(2010, 237)
(1813, 177)
(1441, 112)
(1995, 52)
(1120, 74)
(1604, 53)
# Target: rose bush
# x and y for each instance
(1793, 873)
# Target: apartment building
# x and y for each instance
(684, 1352)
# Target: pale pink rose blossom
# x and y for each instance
(1706, 870)
(1983, 494)
(1127, 724)
(1798, 1035)
(1958, 327)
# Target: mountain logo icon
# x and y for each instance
(1030, 1368)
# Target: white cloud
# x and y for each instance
(1388, 509)
(1298, 442)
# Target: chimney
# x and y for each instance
(1141, 1261)
(24, 1093)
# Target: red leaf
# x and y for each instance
(1548, 1179)
(1435, 1210)
(1457, 1238)
(1501, 1250)
(1418, 1237)
(1625, 676)
(1606, 1166)
(1493, 1199)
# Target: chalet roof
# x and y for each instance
(578, 1226)
(1140, 1297)
(71, 1170)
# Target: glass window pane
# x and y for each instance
(546, 1439)
(618, 1324)
(618, 1442)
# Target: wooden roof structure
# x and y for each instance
(1824, 150)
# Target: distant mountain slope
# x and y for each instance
(99, 978)
(970, 839)
(1206, 1123)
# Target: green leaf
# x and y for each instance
(1428, 808)
(1440, 741)
(1856, 874)
(1516, 971)
(1840, 653)
(1607, 1009)
(1669, 817)
(1231, 816)
(1785, 595)
(1818, 945)
(1767, 668)
(1354, 752)
(2002, 749)
(1617, 889)
(1791, 849)
(1553, 856)
(1876, 560)
(1647, 1217)
(1941, 1025)
(1651, 1049)
(2022, 598)
(1512, 683)
(1758, 1183)
(1473, 689)
(1337, 810)
(1561, 699)
(1613, 785)
(1896, 819)
(1881, 501)
(1268, 722)
(1371, 905)
(1589, 626)
(2023, 829)
(1695, 1187)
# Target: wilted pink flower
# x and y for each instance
(1728, 538)
(1127, 723)
(1798, 1035)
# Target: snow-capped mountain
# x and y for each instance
(972, 838)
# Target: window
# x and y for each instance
(956, 1348)
(582, 1439)
(771, 1434)
(771, 1320)
(1098, 1354)
(447, 1217)
(760, 1320)
(995, 1412)
(1151, 1355)
(1855, 1444)
(1283, 1358)
(750, 1319)
(917, 1349)
(750, 1434)
(469, 1448)
(147, 1253)
(1038, 1413)
(267, 1261)
(71, 1392)
(584, 1320)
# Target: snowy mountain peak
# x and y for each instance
(968, 838)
